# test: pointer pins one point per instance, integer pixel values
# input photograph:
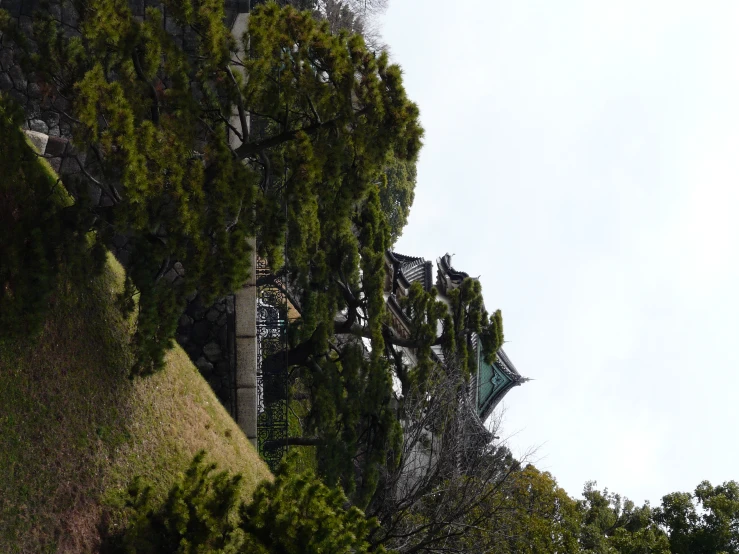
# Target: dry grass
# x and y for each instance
(74, 429)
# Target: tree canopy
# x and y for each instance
(203, 513)
(181, 149)
(153, 126)
(705, 521)
(397, 193)
(185, 144)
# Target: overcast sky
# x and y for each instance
(583, 159)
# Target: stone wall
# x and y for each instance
(24, 88)
(207, 335)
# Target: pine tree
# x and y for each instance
(397, 193)
(151, 118)
(296, 513)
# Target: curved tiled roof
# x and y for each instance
(448, 277)
(408, 270)
(494, 393)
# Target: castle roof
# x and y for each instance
(492, 381)
(408, 270)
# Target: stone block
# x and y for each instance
(94, 192)
(61, 105)
(195, 308)
(246, 312)
(19, 79)
(170, 25)
(6, 58)
(246, 409)
(222, 334)
(193, 350)
(51, 118)
(223, 370)
(28, 7)
(56, 147)
(6, 83)
(190, 42)
(38, 140)
(106, 201)
(20, 97)
(204, 366)
(13, 6)
(38, 125)
(69, 165)
(34, 91)
(69, 15)
(26, 25)
(212, 315)
(55, 11)
(72, 152)
(200, 332)
(33, 107)
(137, 7)
(246, 362)
(56, 165)
(212, 351)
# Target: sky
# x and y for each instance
(582, 158)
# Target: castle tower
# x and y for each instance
(492, 382)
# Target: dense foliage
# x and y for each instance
(202, 513)
(41, 229)
(183, 179)
(513, 509)
(193, 146)
(397, 192)
(299, 130)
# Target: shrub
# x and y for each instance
(296, 513)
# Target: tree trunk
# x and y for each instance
(251, 148)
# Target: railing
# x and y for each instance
(272, 370)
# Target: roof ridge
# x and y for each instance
(403, 258)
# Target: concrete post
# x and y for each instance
(245, 308)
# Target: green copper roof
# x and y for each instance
(492, 381)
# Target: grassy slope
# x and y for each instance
(74, 429)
